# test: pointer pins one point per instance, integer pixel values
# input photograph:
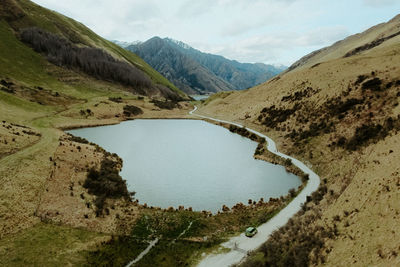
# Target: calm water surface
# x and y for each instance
(190, 162)
(200, 97)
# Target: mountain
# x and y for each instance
(125, 44)
(337, 110)
(197, 72)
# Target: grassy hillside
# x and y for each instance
(380, 35)
(20, 14)
(338, 111)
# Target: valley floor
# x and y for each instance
(44, 201)
(42, 172)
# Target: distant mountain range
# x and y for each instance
(125, 44)
(196, 72)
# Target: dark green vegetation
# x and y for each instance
(92, 61)
(165, 104)
(130, 110)
(197, 72)
(106, 183)
(245, 133)
(183, 235)
(364, 100)
(299, 242)
(368, 133)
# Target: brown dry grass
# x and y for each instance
(365, 183)
(64, 200)
(33, 189)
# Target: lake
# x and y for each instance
(199, 97)
(191, 163)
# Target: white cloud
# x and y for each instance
(275, 48)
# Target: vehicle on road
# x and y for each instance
(250, 231)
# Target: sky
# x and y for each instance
(267, 31)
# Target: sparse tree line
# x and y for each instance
(93, 61)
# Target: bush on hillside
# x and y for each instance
(106, 183)
(132, 110)
(373, 84)
(165, 104)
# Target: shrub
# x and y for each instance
(361, 78)
(363, 134)
(288, 162)
(164, 104)
(342, 141)
(372, 84)
(272, 116)
(132, 110)
(115, 99)
(77, 139)
(106, 183)
(292, 192)
(305, 177)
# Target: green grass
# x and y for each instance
(19, 61)
(71, 29)
(167, 226)
(46, 245)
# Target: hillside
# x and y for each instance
(55, 74)
(338, 110)
(379, 35)
(20, 17)
(196, 72)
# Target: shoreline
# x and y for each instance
(192, 116)
(241, 243)
(288, 169)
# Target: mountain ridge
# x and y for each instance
(197, 72)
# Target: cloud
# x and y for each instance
(379, 3)
(190, 9)
(321, 36)
(280, 31)
(281, 47)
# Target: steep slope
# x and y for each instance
(181, 69)
(20, 15)
(197, 72)
(378, 35)
(240, 75)
(339, 111)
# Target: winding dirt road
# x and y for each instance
(241, 245)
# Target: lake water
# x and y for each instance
(199, 97)
(191, 163)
